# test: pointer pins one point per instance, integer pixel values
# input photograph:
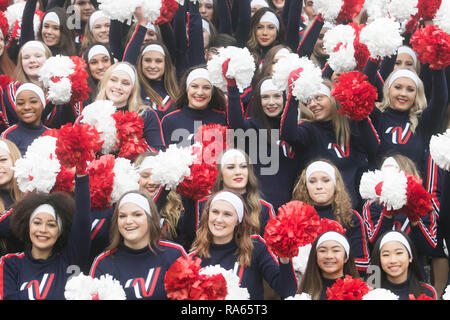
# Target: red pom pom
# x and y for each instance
(78, 79)
(347, 289)
(167, 11)
(362, 53)
(64, 181)
(4, 4)
(419, 200)
(356, 95)
(432, 46)
(428, 8)
(5, 80)
(76, 145)
(130, 131)
(423, 296)
(349, 10)
(330, 225)
(214, 140)
(212, 287)
(180, 278)
(296, 225)
(4, 25)
(101, 180)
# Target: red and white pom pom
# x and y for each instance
(38, 168)
(4, 25)
(234, 290)
(126, 178)
(347, 289)
(171, 166)
(382, 37)
(442, 17)
(356, 95)
(168, 9)
(213, 139)
(402, 10)
(99, 114)
(151, 10)
(428, 8)
(305, 84)
(338, 11)
(240, 68)
(82, 287)
(380, 294)
(440, 149)
(432, 46)
(338, 44)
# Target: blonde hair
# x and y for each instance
(134, 100)
(12, 186)
(405, 164)
(341, 204)
(20, 75)
(419, 104)
(341, 126)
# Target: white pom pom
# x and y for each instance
(125, 178)
(234, 290)
(57, 66)
(367, 184)
(442, 17)
(380, 294)
(382, 37)
(402, 10)
(338, 44)
(440, 149)
(119, 9)
(393, 193)
(151, 10)
(80, 287)
(375, 9)
(300, 296)
(283, 68)
(171, 166)
(59, 92)
(301, 260)
(328, 8)
(99, 114)
(446, 295)
(109, 289)
(14, 12)
(38, 169)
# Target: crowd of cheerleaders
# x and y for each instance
(159, 71)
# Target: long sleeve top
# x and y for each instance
(140, 271)
(23, 134)
(264, 265)
(26, 278)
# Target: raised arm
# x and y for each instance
(27, 28)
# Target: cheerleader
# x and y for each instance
(276, 178)
(198, 103)
(324, 133)
(255, 5)
(120, 85)
(7, 66)
(330, 259)
(96, 30)
(30, 102)
(395, 256)
(224, 238)
(54, 242)
(136, 256)
(321, 185)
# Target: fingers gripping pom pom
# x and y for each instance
(440, 149)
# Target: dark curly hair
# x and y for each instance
(64, 206)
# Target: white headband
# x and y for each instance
(4, 146)
(404, 73)
(138, 200)
(395, 236)
(52, 17)
(283, 52)
(127, 69)
(97, 49)
(197, 74)
(229, 154)
(321, 166)
(203, 1)
(205, 25)
(390, 162)
(271, 18)
(408, 50)
(96, 15)
(146, 164)
(233, 200)
(268, 85)
(259, 3)
(154, 47)
(33, 44)
(325, 90)
(335, 236)
(32, 87)
(151, 27)
(46, 208)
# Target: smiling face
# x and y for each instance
(51, 33)
(222, 221)
(402, 94)
(199, 93)
(6, 171)
(395, 260)
(235, 174)
(44, 232)
(331, 258)
(119, 88)
(321, 188)
(272, 103)
(133, 225)
(321, 106)
(146, 184)
(153, 65)
(100, 30)
(266, 33)
(29, 107)
(98, 65)
(32, 61)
